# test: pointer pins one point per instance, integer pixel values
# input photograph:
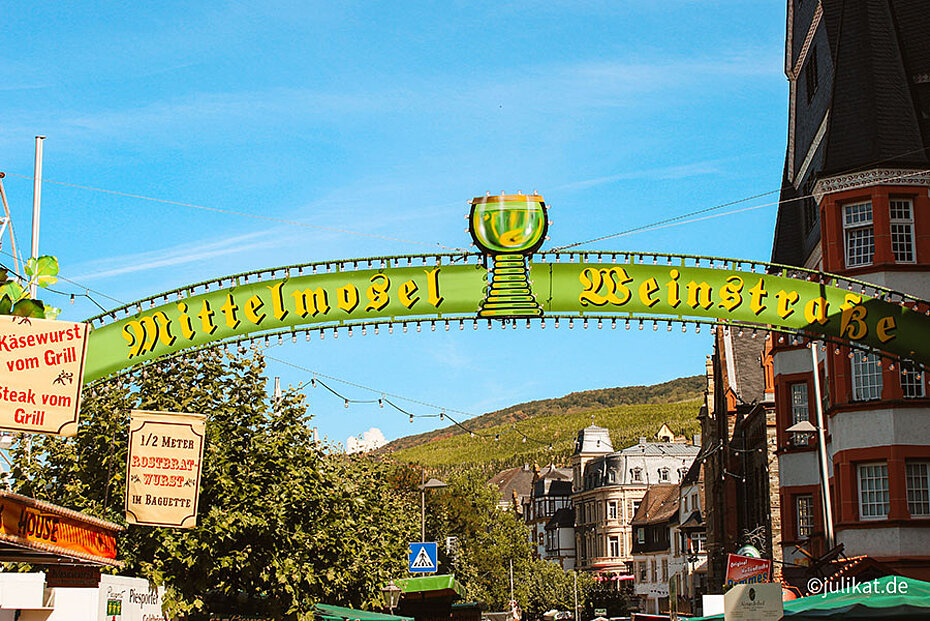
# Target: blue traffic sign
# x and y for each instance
(423, 558)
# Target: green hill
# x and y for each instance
(629, 412)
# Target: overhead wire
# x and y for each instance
(679, 220)
(238, 213)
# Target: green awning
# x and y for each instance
(338, 613)
(891, 597)
(435, 584)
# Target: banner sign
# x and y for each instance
(622, 290)
(163, 468)
(71, 576)
(122, 598)
(42, 366)
(51, 529)
(747, 570)
(756, 602)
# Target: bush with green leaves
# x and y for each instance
(14, 297)
(283, 521)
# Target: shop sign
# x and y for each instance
(753, 602)
(163, 468)
(42, 365)
(41, 526)
(123, 598)
(747, 570)
(72, 576)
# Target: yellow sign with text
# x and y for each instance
(42, 364)
(163, 468)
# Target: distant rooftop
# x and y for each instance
(593, 439)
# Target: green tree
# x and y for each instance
(283, 522)
(489, 539)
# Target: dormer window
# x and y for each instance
(636, 475)
(663, 475)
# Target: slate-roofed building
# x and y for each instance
(608, 488)
(551, 492)
(855, 203)
(689, 541)
(515, 486)
(741, 500)
(653, 557)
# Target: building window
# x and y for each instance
(663, 475)
(873, 491)
(912, 382)
(810, 74)
(697, 542)
(665, 570)
(695, 503)
(805, 515)
(636, 474)
(612, 510)
(642, 571)
(684, 505)
(902, 231)
(614, 543)
(918, 488)
(799, 412)
(640, 535)
(860, 237)
(866, 374)
(655, 573)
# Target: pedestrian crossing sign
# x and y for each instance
(423, 557)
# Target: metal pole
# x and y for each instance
(36, 206)
(423, 507)
(577, 613)
(822, 453)
(511, 584)
(9, 219)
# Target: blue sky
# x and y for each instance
(383, 119)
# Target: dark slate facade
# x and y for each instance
(859, 72)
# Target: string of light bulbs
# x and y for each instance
(442, 412)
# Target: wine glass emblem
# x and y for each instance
(508, 228)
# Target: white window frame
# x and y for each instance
(800, 411)
(697, 543)
(636, 475)
(902, 230)
(664, 474)
(613, 543)
(804, 512)
(873, 494)
(864, 369)
(858, 225)
(912, 382)
(611, 509)
(917, 477)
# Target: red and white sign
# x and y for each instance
(747, 570)
(42, 370)
(163, 467)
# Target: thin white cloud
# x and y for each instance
(709, 167)
(366, 441)
(178, 255)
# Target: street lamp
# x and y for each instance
(391, 594)
(805, 426)
(431, 484)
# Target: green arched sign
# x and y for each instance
(447, 287)
(506, 283)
